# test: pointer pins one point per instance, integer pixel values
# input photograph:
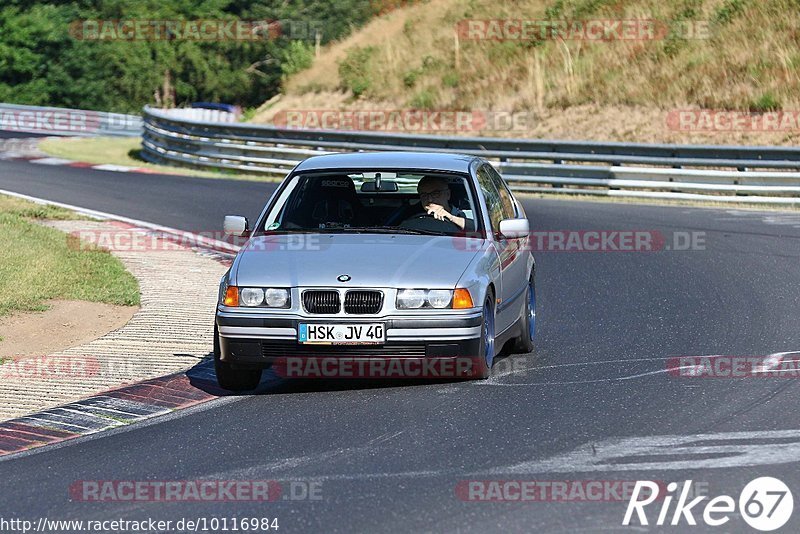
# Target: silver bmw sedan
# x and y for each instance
(382, 264)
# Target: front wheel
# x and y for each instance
(486, 355)
(230, 378)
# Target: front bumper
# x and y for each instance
(251, 340)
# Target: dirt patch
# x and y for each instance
(66, 324)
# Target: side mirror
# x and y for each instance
(515, 228)
(235, 225)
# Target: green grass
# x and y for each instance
(31, 210)
(38, 264)
(125, 151)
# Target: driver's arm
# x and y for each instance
(459, 218)
(455, 219)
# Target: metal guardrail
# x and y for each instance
(204, 114)
(68, 122)
(719, 173)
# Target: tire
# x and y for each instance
(487, 346)
(524, 343)
(230, 378)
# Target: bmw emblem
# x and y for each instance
(344, 278)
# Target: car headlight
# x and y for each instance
(276, 298)
(440, 298)
(252, 297)
(409, 299)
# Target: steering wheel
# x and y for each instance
(424, 221)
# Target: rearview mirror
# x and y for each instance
(235, 225)
(514, 228)
(387, 186)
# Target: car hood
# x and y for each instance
(371, 260)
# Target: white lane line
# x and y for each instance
(578, 364)
(49, 423)
(124, 405)
(370, 476)
(595, 381)
(770, 363)
(51, 161)
(92, 409)
(661, 452)
(112, 167)
(86, 415)
(188, 237)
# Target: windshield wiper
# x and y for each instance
(358, 230)
(400, 230)
(285, 232)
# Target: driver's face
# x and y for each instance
(435, 193)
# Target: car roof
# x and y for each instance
(436, 161)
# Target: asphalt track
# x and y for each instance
(389, 456)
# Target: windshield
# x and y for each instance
(375, 202)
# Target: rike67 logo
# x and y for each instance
(765, 504)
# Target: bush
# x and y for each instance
(410, 78)
(297, 56)
(425, 99)
(766, 102)
(354, 70)
(727, 11)
(451, 79)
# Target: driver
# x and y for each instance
(434, 194)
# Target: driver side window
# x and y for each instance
(509, 211)
(493, 201)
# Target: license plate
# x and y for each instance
(342, 334)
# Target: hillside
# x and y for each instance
(732, 55)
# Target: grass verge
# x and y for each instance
(37, 264)
(125, 151)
